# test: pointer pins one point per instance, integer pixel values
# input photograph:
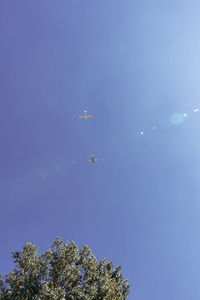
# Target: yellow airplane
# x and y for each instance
(93, 159)
(85, 115)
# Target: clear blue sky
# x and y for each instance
(133, 64)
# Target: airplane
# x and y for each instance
(85, 115)
(93, 159)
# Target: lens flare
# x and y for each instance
(178, 118)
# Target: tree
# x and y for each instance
(62, 272)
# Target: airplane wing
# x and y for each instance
(86, 116)
(95, 159)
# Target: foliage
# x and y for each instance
(62, 272)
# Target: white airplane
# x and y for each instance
(85, 116)
(93, 159)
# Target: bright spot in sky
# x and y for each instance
(154, 127)
(196, 109)
(142, 132)
(178, 118)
